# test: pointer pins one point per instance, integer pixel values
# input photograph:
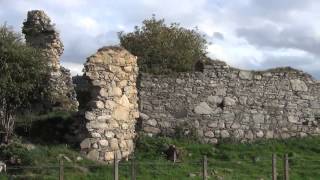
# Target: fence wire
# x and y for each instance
(166, 170)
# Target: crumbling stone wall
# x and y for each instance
(112, 111)
(41, 34)
(224, 102)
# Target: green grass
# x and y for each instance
(227, 160)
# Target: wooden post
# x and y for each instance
(274, 167)
(286, 167)
(205, 167)
(174, 156)
(61, 170)
(133, 171)
(115, 167)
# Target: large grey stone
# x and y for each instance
(247, 75)
(85, 144)
(258, 118)
(89, 115)
(103, 143)
(298, 85)
(143, 116)
(152, 130)
(259, 134)
(152, 122)
(93, 155)
(213, 124)
(209, 134)
(228, 101)
(108, 156)
(215, 99)
(225, 134)
(203, 108)
(293, 119)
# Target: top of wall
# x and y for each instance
(216, 66)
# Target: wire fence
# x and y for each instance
(205, 168)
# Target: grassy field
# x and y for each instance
(227, 160)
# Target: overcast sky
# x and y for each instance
(248, 34)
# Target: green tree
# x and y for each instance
(22, 70)
(162, 49)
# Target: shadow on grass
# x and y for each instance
(49, 129)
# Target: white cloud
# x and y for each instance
(275, 32)
(75, 68)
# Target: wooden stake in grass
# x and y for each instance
(274, 167)
(133, 171)
(205, 167)
(61, 170)
(115, 167)
(286, 167)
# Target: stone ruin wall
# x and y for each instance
(220, 102)
(224, 102)
(41, 33)
(113, 109)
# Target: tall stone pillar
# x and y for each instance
(113, 109)
(41, 34)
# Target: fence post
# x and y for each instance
(133, 171)
(205, 166)
(115, 167)
(61, 170)
(274, 167)
(286, 167)
(174, 156)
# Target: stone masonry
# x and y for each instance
(112, 111)
(224, 102)
(41, 34)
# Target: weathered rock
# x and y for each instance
(93, 155)
(245, 75)
(228, 101)
(85, 144)
(152, 130)
(41, 34)
(144, 116)
(104, 143)
(213, 124)
(152, 122)
(215, 99)
(293, 119)
(298, 85)
(111, 116)
(203, 108)
(258, 118)
(108, 156)
(109, 134)
(225, 134)
(259, 134)
(209, 134)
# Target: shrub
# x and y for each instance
(163, 49)
(22, 70)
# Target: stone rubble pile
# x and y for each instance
(112, 111)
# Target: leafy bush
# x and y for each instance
(22, 70)
(162, 49)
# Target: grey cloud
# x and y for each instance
(79, 47)
(239, 19)
(305, 63)
(218, 36)
(269, 36)
(273, 10)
